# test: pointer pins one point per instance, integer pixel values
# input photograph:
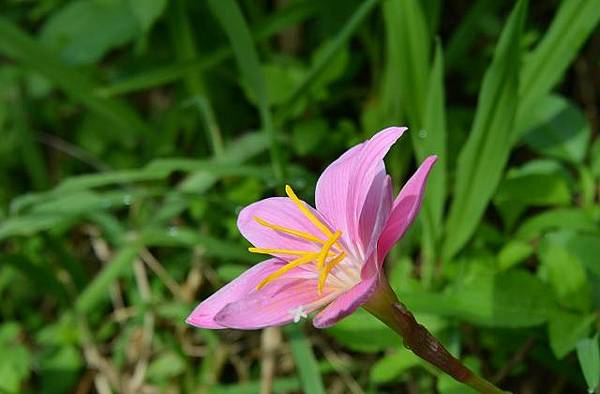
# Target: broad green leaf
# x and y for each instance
(60, 368)
(305, 361)
(558, 129)
(391, 366)
(564, 272)
(513, 252)
(481, 161)
(509, 299)
(18, 46)
(165, 366)
(15, 359)
(529, 186)
(588, 353)
(364, 333)
(565, 329)
(543, 68)
(82, 32)
(560, 218)
(585, 247)
(147, 11)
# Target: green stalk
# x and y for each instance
(385, 306)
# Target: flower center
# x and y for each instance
(326, 258)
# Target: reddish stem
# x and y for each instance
(384, 305)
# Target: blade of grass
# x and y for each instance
(544, 67)
(185, 49)
(230, 16)
(20, 47)
(97, 290)
(432, 140)
(466, 33)
(481, 161)
(273, 24)
(408, 46)
(349, 28)
(305, 360)
(30, 151)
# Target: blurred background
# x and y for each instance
(133, 131)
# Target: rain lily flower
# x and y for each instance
(327, 259)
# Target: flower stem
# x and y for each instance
(384, 305)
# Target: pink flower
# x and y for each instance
(329, 258)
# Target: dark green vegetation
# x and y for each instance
(134, 130)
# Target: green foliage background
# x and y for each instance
(133, 131)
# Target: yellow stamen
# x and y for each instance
(326, 247)
(325, 272)
(309, 215)
(297, 233)
(286, 268)
(281, 251)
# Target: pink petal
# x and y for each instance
(345, 185)
(273, 305)
(203, 315)
(281, 211)
(405, 209)
(375, 213)
(346, 303)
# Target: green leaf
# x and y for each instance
(98, 290)
(391, 366)
(329, 51)
(15, 359)
(18, 46)
(558, 129)
(165, 366)
(431, 140)
(481, 161)
(364, 333)
(512, 253)
(406, 72)
(565, 329)
(509, 299)
(565, 272)
(561, 218)
(305, 360)
(531, 185)
(82, 32)
(232, 20)
(187, 237)
(588, 353)
(582, 246)
(575, 20)
(147, 11)
(595, 157)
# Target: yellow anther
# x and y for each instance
(309, 215)
(325, 272)
(297, 233)
(326, 247)
(281, 251)
(286, 268)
